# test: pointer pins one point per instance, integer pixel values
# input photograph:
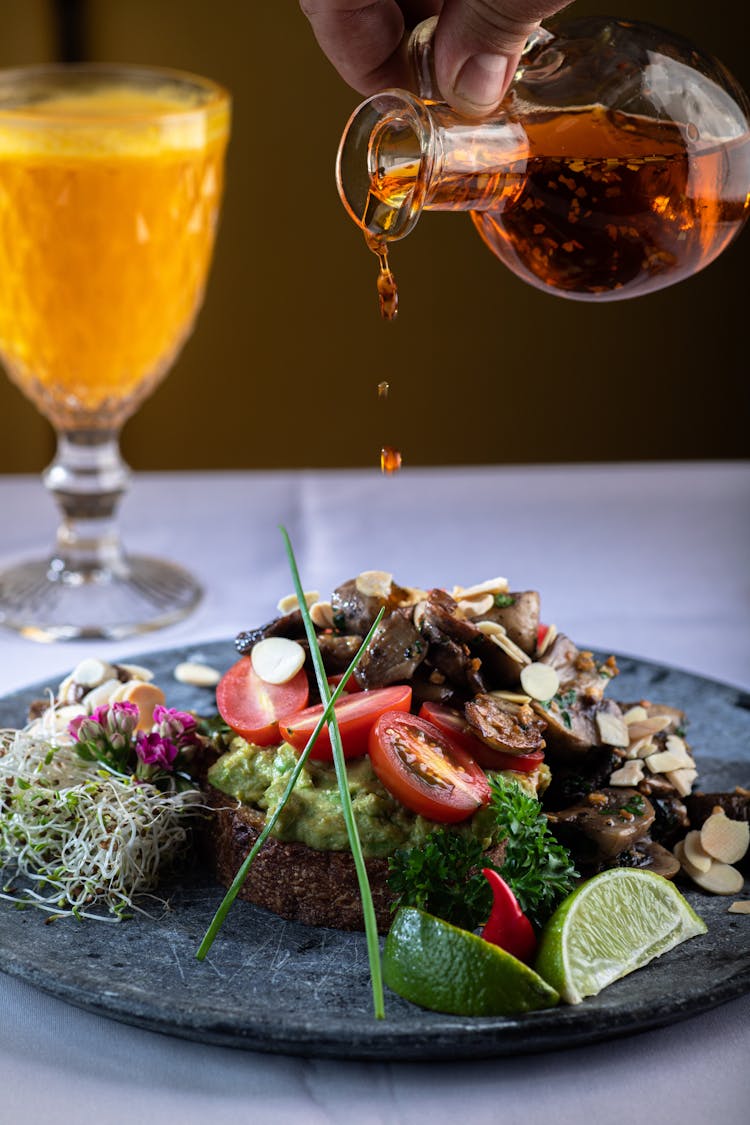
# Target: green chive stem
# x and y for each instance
(239, 879)
(368, 910)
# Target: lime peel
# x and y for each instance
(441, 967)
(613, 924)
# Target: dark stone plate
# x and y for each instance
(277, 986)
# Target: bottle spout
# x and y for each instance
(384, 165)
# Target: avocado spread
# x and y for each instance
(257, 775)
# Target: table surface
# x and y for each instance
(650, 560)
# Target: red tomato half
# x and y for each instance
(252, 707)
(356, 715)
(453, 724)
(351, 686)
(425, 770)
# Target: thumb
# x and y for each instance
(477, 47)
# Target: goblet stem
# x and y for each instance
(91, 588)
(87, 478)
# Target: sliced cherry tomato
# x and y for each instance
(453, 724)
(356, 715)
(425, 770)
(253, 707)
(350, 687)
(541, 633)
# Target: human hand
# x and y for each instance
(477, 43)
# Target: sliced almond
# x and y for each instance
(668, 760)
(682, 780)
(137, 672)
(476, 606)
(689, 868)
(509, 648)
(277, 659)
(103, 693)
(720, 879)
(196, 674)
(725, 839)
(408, 595)
(654, 724)
(635, 714)
(374, 583)
(742, 906)
(491, 628)
(92, 672)
(540, 681)
(695, 852)
(677, 745)
(547, 640)
(145, 696)
(491, 586)
(289, 603)
(612, 729)
(511, 696)
(322, 614)
(629, 774)
(418, 614)
(642, 748)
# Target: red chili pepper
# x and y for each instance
(507, 925)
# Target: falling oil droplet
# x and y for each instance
(387, 288)
(383, 389)
(390, 459)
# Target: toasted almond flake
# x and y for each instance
(668, 760)
(725, 839)
(642, 748)
(137, 672)
(145, 696)
(374, 583)
(635, 714)
(277, 659)
(678, 745)
(629, 774)
(509, 648)
(92, 672)
(490, 586)
(720, 879)
(612, 730)
(695, 852)
(409, 595)
(103, 693)
(476, 606)
(322, 614)
(742, 906)
(654, 724)
(689, 868)
(196, 674)
(547, 640)
(540, 681)
(511, 696)
(289, 603)
(418, 614)
(682, 780)
(491, 628)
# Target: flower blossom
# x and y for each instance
(154, 750)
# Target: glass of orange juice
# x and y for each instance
(110, 185)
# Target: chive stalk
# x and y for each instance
(239, 879)
(368, 910)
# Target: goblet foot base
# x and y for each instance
(45, 602)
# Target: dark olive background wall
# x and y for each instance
(283, 366)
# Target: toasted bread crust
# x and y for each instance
(292, 880)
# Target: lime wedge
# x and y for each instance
(441, 967)
(612, 924)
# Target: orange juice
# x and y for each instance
(109, 200)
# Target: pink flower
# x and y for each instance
(155, 750)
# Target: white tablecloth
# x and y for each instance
(650, 560)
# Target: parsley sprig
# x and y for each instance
(444, 876)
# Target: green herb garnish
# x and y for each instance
(634, 805)
(445, 877)
(502, 601)
(329, 716)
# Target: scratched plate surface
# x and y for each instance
(272, 985)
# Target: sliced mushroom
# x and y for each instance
(607, 823)
(520, 618)
(395, 652)
(510, 727)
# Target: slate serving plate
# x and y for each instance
(277, 986)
